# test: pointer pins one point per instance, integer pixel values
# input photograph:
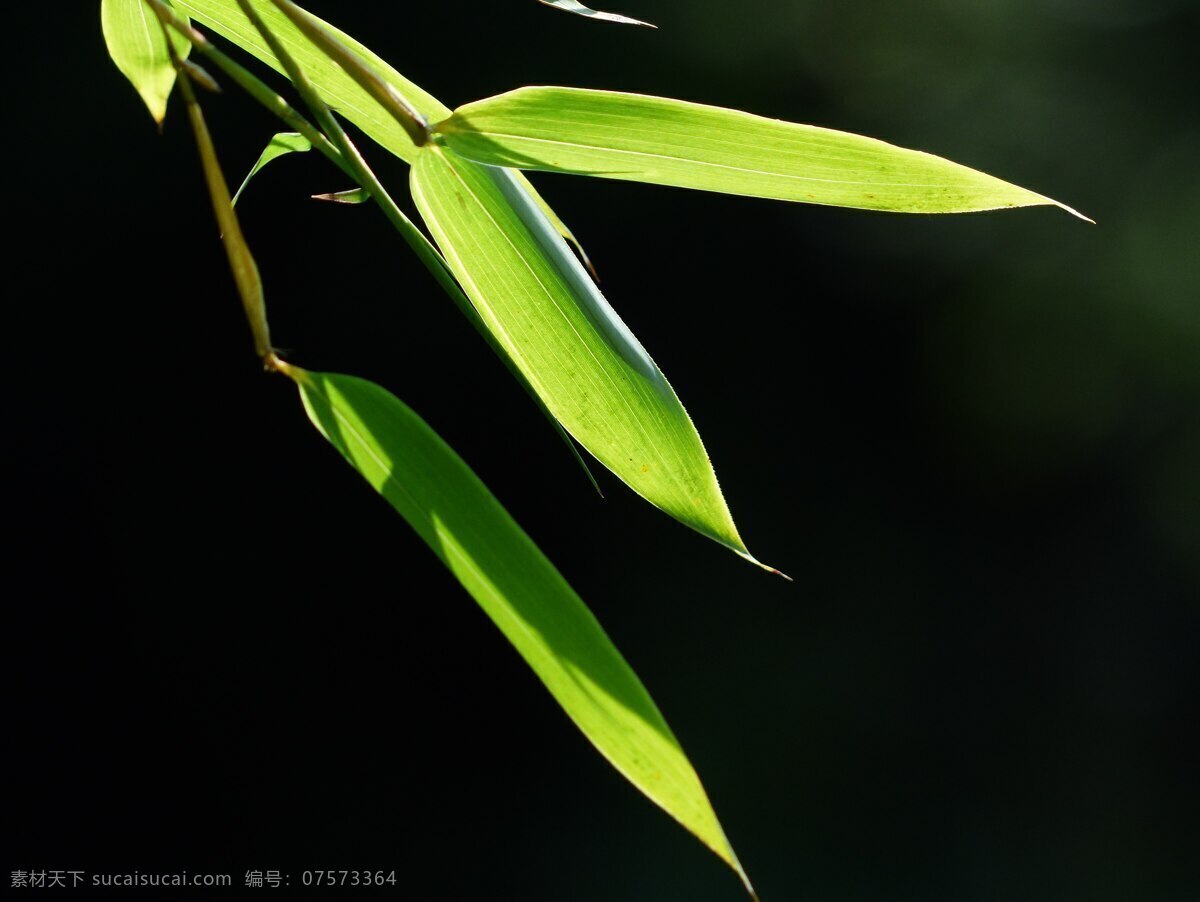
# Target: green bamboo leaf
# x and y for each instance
(580, 358)
(339, 89)
(349, 196)
(516, 585)
(670, 142)
(282, 144)
(574, 6)
(138, 46)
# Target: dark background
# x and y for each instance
(974, 442)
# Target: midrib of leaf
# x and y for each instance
(663, 141)
(709, 165)
(815, 146)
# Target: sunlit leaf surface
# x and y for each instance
(518, 588)
(581, 359)
(670, 142)
(138, 46)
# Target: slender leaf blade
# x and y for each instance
(574, 6)
(516, 585)
(281, 145)
(138, 46)
(580, 358)
(635, 137)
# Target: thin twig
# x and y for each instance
(241, 261)
(362, 172)
(351, 162)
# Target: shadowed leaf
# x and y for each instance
(516, 585)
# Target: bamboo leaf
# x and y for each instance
(574, 6)
(349, 196)
(580, 358)
(138, 46)
(339, 89)
(516, 585)
(282, 144)
(670, 142)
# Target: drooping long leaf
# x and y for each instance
(593, 374)
(518, 588)
(138, 46)
(671, 142)
(574, 6)
(339, 89)
(282, 144)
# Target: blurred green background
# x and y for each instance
(973, 441)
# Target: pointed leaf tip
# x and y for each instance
(137, 44)
(574, 6)
(1074, 212)
(774, 571)
(570, 345)
(637, 137)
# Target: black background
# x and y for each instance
(973, 441)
